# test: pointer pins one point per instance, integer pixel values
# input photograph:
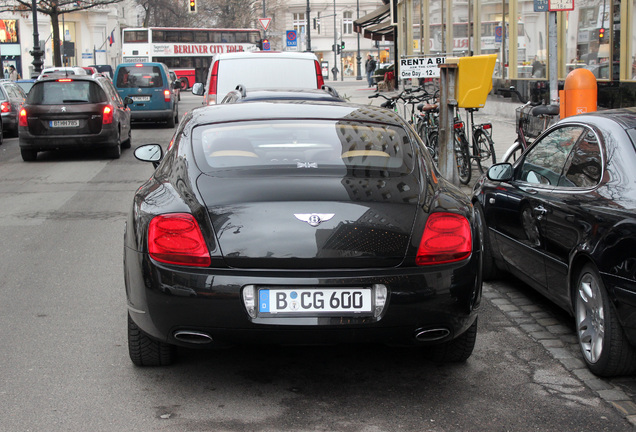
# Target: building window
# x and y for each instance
(299, 22)
(347, 22)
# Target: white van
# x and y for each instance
(268, 70)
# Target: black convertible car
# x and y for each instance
(563, 219)
(299, 222)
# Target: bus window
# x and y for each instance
(172, 36)
(228, 37)
(136, 36)
(201, 36)
(241, 37)
(186, 36)
(158, 36)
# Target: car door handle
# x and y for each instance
(540, 212)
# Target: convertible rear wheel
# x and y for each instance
(457, 350)
(145, 351)
(605, 348)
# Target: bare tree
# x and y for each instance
(54, 8)
(210, 13)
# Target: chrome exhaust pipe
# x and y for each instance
(430, 335)
(192, 337)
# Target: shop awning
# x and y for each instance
(375, 25)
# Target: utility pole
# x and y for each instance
(335, 46)
(308, 28)
(358, 57)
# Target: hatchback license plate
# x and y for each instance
(64, 123)
(350, 301)
(141, 98)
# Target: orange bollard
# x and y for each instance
(579, 93)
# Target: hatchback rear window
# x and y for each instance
(304, 145)
(139, 76)
(66, 91)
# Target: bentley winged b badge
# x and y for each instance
(314, 219)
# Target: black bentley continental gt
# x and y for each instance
(563, 219)
(299, 222)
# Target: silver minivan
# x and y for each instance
(259, 69)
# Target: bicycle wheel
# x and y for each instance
(432, 144)
(513, 153)
(462, 156)
(483, 150)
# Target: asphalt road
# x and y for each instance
(64, 363)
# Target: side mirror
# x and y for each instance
(198, 89)
(500, 172)
(128, 100)
(149, 153)
(176, 84)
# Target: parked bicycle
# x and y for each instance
(531, 120)
(482, 146)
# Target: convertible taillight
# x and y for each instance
(22, 121)
(447, 238)
(107, 115)
(176, 239)
(5, 107)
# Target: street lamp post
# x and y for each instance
(335, 41)
(308, 29)
(37, 51)
(358, 58)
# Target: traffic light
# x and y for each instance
(338, 49)
(601, 35)
(342, 45)
(192, 6)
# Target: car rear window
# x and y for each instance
(303, 145)
(139, 76)
(66, 91)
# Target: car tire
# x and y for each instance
(457, 350)
(114, 152)
(490, 271)
(171, 123)
(28, 155)
(128, 143)
(145, 351)
(606, 351)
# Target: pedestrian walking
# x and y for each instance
(369, 67)
(13, 74)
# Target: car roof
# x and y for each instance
(626, 117)
(292, 109)
(267, 54)
(288, 94)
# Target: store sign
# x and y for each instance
(425, 67)
(560, 5)
(9, 31)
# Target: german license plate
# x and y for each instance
(141, 98)
(340, 301)
(64, 123)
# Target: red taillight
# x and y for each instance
(319, 78)
(458, 125)
(5, 107)
(176, 239)
(139, 65)
(64, 80)
(486, 126)
(213, 81)
(447, 238)
(166, 95)
(107, 115)
(23, 118)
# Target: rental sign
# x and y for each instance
(424, 67)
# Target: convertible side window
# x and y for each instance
(545, 161)
(584, 167)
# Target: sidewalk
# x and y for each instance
(500, 113)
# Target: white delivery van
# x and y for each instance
(268, 70)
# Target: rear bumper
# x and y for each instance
(153, 115)
(106, 138)
(164, 300)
